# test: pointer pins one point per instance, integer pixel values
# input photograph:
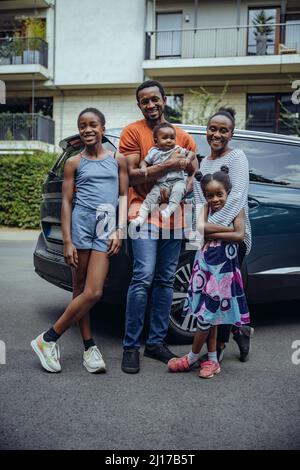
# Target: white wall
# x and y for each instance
(118, 106)
(99, 42)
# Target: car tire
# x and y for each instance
(181, 329)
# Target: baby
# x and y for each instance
(165, 139)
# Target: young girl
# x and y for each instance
(215, 293)
(90, 235)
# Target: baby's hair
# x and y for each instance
(228, 112)
(95, 111)
(220, 176)
(162, 126)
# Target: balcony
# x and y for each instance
(26, 127)
(20, 57)
(231, 50)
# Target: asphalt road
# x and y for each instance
(255, 405)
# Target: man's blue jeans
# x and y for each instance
(154, 265)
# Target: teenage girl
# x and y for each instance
(215, 293)
(90, 235)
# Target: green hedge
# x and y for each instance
(21, 179)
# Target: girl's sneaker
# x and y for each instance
(179, 364)
(93, 360)
(209, 369)
(47, 352)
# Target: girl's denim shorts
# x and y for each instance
(91, 229)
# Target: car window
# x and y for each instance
(203, 148)
(269, 162)
(272, 162)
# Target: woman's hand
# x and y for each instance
(115, 243)
(70, 254)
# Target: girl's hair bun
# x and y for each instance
(225, 169)
(198, 175)
(228, 110)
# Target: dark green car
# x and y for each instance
(272, 269)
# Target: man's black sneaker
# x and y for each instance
(159, 351)
(131, 361)
(242, 338)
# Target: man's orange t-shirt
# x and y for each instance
(137, 138)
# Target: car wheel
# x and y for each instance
(182, 328)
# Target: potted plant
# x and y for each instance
(34, 30)
(5, 51)
(263, 30)
(17, 48)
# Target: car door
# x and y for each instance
(274, 210)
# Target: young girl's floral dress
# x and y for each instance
(215, 293)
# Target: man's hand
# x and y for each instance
(176, 163)
(164, 195)
(70, 254)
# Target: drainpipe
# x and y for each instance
(32, 105)
(282, 11)
(62, 107)
(195, 14)
(238, 12)
(282, 20)
(53, 5)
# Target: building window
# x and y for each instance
(265, 113)
(263, 38)
(43, 106)
(291, 36)
(168, 40)
(173, 109)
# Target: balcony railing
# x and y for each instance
(25, 126)
(17, 51)
(284, 38)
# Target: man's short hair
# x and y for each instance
(150, 84)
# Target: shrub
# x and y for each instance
(21, 179)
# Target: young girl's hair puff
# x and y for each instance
(220, 176)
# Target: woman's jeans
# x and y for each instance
(154, 264)
(223, 334)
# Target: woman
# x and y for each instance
(220, 129)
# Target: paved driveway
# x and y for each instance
(248, 406)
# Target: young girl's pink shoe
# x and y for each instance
(209, 369)
(179, 364)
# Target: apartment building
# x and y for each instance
(59, 56)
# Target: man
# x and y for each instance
(154, 258)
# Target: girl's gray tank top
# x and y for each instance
(97, 183)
